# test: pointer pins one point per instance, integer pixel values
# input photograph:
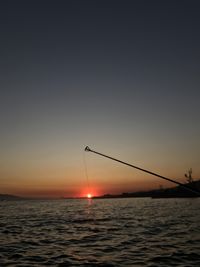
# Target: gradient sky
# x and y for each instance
(120, 76)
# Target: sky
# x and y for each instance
(119, 76)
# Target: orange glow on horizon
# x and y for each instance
(89, 192)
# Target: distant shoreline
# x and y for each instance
(174, 192)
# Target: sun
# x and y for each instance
(89, 195)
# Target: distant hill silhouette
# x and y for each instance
(9, 197)
(174, 192)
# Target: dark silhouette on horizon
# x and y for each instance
(174, 192)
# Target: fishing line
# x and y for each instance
(86, 171)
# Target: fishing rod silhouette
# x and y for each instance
(87, 149)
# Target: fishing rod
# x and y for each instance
(87, 149)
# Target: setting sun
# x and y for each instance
(89, 196)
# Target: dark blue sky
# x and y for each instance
(122, 76)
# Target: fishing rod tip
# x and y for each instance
(87, 149)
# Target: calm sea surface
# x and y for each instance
(106, 232)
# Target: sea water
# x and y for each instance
(100, 232)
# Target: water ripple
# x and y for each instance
(123, 232)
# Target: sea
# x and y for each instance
(100, 232)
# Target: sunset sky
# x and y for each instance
(122, 77)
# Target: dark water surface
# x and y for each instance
(112, 232)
